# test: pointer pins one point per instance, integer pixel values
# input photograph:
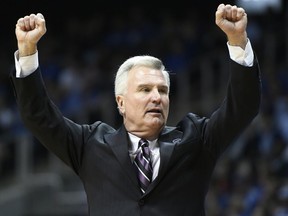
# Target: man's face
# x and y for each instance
(145, 105)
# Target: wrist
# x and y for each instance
(237, 40)
(26, 49)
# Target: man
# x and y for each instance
(106, 160)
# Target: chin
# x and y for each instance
(158, 125)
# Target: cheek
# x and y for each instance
(133, 105)
(166, 107)
(166, 102)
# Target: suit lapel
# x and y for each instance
(119, 143)
(167, 142)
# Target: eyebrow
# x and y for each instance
(149, 85)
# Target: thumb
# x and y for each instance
(219, 15)
(40, 16)
(40, 22)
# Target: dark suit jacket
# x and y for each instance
(99, 154)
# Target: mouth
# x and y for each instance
(154, 111)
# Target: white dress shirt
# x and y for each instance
(154, 152)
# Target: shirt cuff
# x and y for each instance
(25, 65)
(243, 57)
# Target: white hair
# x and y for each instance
(120, 84)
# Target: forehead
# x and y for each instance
(144, 74)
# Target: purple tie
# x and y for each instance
(144, 166)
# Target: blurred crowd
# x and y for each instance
(80, 54)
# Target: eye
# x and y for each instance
(145, 89)
(163, 90)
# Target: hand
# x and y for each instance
(29, 30)
(232, 20)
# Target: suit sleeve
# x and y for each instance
(41, 116)
(238, 109)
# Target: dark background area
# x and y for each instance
(85, 43)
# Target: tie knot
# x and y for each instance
(143, 143)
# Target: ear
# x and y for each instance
(120, 104)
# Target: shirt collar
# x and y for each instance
(135, 140)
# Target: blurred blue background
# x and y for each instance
(85, 43)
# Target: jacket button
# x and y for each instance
(141, 202)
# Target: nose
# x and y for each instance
(156, 97)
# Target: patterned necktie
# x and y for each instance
(144, 166)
